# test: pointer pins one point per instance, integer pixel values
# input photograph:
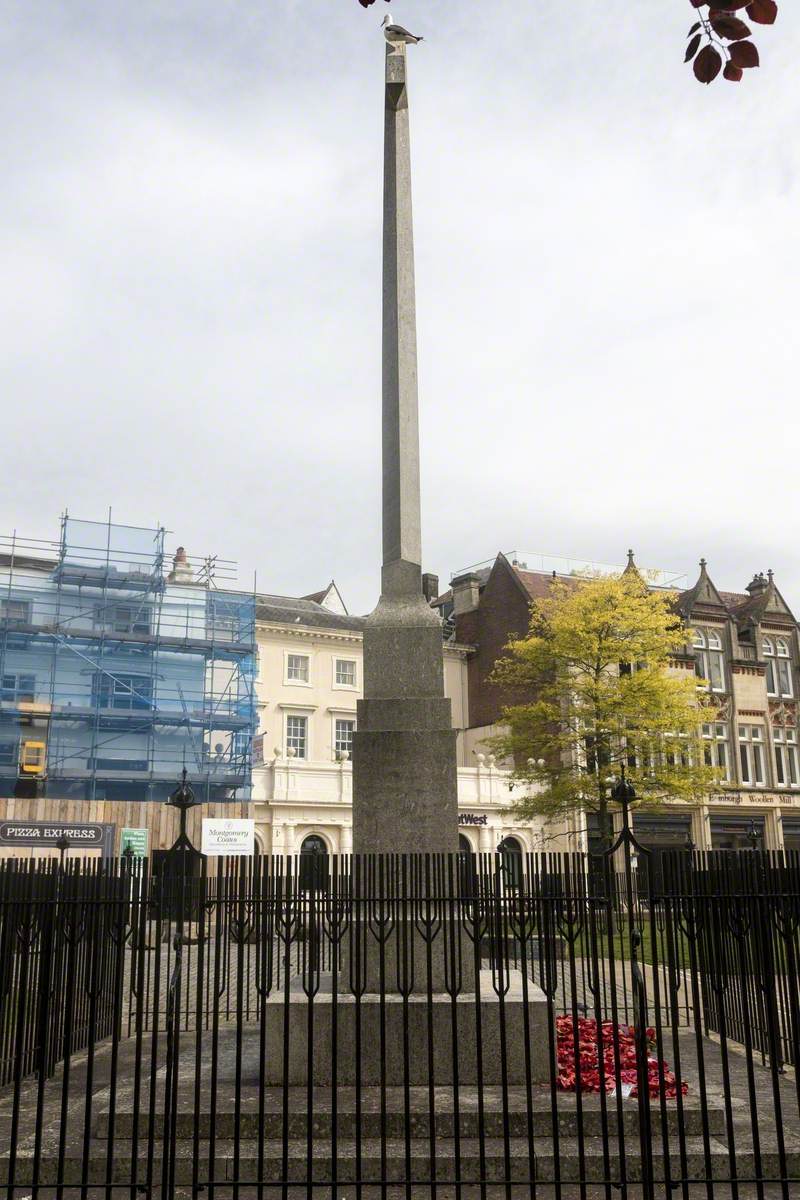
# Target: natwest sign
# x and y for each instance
(473, 819)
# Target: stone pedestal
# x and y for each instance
(410, 960)
(413, 1032)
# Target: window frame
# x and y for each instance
(341, 719)
(769, 657)
(108, 688)
(17, 692)
(714, 741)
(784, 745)
(11, 746)
(340, 685)
(288, 655)
(709, 657)
(750, 739)
(6, 603)
(783, 660)
(106, 618)
(297, 716)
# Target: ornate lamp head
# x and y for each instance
(183, 798)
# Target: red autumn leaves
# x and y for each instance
(618, 1047)
(727, 38)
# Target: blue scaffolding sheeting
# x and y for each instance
(114, 674)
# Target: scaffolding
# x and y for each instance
(115, 674)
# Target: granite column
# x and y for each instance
(404, 760)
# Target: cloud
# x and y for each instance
(190, 284)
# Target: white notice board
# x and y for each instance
(228, 835)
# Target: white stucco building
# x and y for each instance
(309, 679)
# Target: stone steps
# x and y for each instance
(493, 1122)
(395, 1153)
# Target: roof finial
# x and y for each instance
(631, 567)
(703, 564)
(770, 574)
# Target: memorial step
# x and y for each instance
(393, 1161)
(251, 1124)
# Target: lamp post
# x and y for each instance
(624, 793)
(62, 845)
(183, 798)
(504, 868)
(753, 835)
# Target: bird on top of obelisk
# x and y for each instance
(396, 33)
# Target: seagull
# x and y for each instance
(396, 33)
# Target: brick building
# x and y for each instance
(745, 644)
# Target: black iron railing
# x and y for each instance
(422, 1021)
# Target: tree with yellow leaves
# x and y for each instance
(596, 692)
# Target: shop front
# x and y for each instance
(738, 831)
(791, 832)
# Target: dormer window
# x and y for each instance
(778, 662)
(708, 661)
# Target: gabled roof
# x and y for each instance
(536, 584)
(288, 610)
(762, 599)
(704, 594)
(330, 598)
(533, 585)
(734, 600)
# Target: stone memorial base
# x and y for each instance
(405, 786)
(406, 1050)
(409, 962)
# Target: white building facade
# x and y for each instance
(309, 680)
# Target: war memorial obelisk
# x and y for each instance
(404, 750)
(404, 791)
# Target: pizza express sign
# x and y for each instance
(47, 833)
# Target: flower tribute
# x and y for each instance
(618, 1047)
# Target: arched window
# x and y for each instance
(510, 850)
(464, 844)
(784, 668)
(708, 660)
(777, 659)
(313, 869)
(768, 650)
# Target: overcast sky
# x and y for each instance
(607, 276)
